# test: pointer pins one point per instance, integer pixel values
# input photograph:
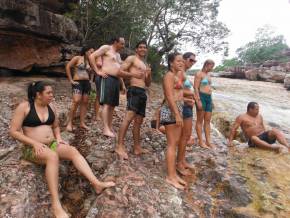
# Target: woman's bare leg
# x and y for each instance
(51, 160)
(186, 133)
(68, 152)
(75, 103)
(207, 119)
(173, 134)
(83, 111)
(198, 127)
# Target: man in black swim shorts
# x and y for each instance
(139, 74)
(254, 129)
(108, 80)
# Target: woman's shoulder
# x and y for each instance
(23, 106)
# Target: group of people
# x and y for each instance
(35, 122)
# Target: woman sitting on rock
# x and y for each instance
(203, 92)
(81, 86)
(171, 115)
(35, 124)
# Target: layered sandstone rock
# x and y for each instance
(34, 34)
(252, 74)
(271, 76)
(287, 82)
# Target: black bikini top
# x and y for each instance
(32, 119)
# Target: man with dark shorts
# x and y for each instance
(139, 74)
(108, 80)
(254, 129)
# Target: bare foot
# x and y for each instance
(59, 212)
(109, 134)
(188, 166)
(203, 145)
(101, 186)
(183, 171)
(122, 153)
(210, 145)
(84, 126)
(191, 141)
(175, 183)
(69, 128)
(181, 181)
(139, 150)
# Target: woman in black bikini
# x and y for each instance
(81, 86)
(35, 124)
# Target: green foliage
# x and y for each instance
(165, 24)
(266, 46)
(233, 62)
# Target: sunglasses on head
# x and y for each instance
(192, 60)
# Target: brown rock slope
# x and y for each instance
(216, 189)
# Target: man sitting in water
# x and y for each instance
(254, 129)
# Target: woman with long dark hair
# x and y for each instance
(35, 124)
(203, 91)
(81, 86)
(171, 115)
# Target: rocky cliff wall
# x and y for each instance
(34, 34)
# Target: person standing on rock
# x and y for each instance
(36, 125)
(189, 100)
(81, 86)
(255, 131)
(171, 115)
(139, 73)
(203, 92)
(108, 80)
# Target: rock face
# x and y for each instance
(271, 76)
(35, 35)
(287, 82)
(227, 182)
(252, 74)
(269, 71)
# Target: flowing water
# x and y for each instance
(274, 100)
(267, 173)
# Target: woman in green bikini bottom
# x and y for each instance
(36, 125)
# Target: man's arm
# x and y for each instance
(124, 69)
(98, 53)
(234, 129)
(148, 76)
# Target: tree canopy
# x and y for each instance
(266, 46)
(163, 23)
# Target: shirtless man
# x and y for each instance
(140, 77)
(254, 129)
(108, 81)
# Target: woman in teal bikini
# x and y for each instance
(183, 166)
(35, 124)
(203, 92)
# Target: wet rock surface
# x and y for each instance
(265, 173)
(218, 188)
